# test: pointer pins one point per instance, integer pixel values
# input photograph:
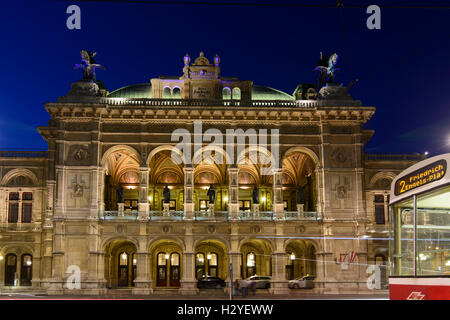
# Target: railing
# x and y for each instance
(23, 154)
(207, 215)
(305, 215)
(211, 103)
(128, 215)
(394, 157)
(171, 215)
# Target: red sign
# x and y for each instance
(419, 288)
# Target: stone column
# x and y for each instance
(188, 193)
(278, 194)
(300, 210)
(233, 193)
(58, 265)
(143, 193)
(94, 284)
(142, 282)
(279, 284)
(188, 281)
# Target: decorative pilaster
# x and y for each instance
(188, 193)
(188, 281)
(279, 284)
(143, 193)
(233, 194)
(142, 282)
(278, 194)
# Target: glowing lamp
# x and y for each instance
(124, 256)
(1, 258)
(166, 256)
(292, 256)
(209, 256)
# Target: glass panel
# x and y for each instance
(13, 212)
(11, 261)
(200, 259)
(251, 259)
(167, 93)
(402, 249)
(379, 214)
(123, 259)
(176, 93)
(226, 93)
(13, 196)
(27, 260)
(161, 259)
(433, 232)
(26, 212)
(213, 260)
(236, 94)
(175, 259)
(379, 198)
(27, 196)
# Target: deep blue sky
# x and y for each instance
(276, 47)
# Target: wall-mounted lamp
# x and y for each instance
(208, 256)
(124, 256)
(226, 199)
(292, 256)
(1, 257)
(166, 256)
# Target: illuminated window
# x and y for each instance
(26, 270)
(123, 259)
(226, 93)
(175, 259)
(176, 93)
(167, 93)
(236, 94)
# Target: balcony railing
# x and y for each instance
(209, 216)
(23, 154)
(393, 157)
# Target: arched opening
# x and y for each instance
(255, 185)
(300, 259)
(299, 182)
(166, 179)
(256, 258)
(120, 264)
(236, 94)
(211, 259)
(121, 180)
(167, 93)
(176, 93)
(166, 255)
(26, 270)
(10, 269)
(210, 183)
(226, 93)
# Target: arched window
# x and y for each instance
(212, 264)
(251, 264)
(122, 280)
(26, 270)
(290, 265)
(199, 265)
(176, 93)
(236, 94)
(167, 93)
(10, 269)
(161, 261)
(175, 269)
(226, 93)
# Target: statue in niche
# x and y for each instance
(120, 194)
(211, 194)
(255, 195)
(327, 70)
(166, 194)
(88, 65)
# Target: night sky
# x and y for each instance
(276, 47)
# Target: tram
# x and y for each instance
(419, 217)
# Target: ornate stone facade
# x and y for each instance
(99, 142)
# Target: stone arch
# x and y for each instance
(19, 172)
(380, 176)
(117, 148)
(304, 150)
(153, 243)
(17, 249)
(165, 148)
(109, 240)
(223, 241)
(199, 153)
(214, 267)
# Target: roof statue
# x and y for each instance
(88, 65)
(327, 69)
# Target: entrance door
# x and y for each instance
(25, 270)
(10, 269)
(175, 270)
(161, 270)
(123, 270)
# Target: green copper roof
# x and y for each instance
(267, 93)
(142, 90)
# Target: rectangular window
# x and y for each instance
(27, 196)
(26, 212)
(379, 214)
(13, 196)
(13, 214)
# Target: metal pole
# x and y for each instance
(415, 235)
